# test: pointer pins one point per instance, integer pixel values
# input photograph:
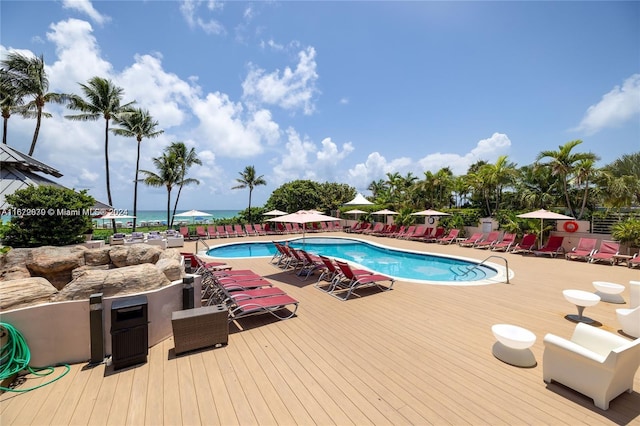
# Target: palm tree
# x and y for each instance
(10, 100)
(499, 175)
(102, 100)
(168, 175)
(186, 159)
(585, 172)
(139, 124)
(249, 180)
(29, 78)
(562, 163)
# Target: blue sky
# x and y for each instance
(331, 91)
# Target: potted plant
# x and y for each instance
(88, 234)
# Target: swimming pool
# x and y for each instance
(401, 264)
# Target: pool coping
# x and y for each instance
(500, 278)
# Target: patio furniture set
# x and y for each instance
(594, 362)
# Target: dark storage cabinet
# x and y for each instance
(129, 332)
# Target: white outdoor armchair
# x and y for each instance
(594, 362)
(629, 319)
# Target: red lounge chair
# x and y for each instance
(438, 233)
(472, 240)
(450, 238)
(355, 281)
(505, 244)
(248, 229)
(230, 231)
(527, 244)
(410, 230)
(419, 233)
(239, 230)
(201, 233)
(296, 228)
(259, 229)
(311, 264)
(492, 238)
(376, 228)
(634, 261)
(332, 272)
(605, 253)
(552, 248)
(220, 232)
(211, 230)
(184, 231)
(274, 305)
(585, 248)
(363, 227)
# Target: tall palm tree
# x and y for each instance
(585, 172)
(499, 175)
(10, 100)
(168, 175)
(185, 158)
(562, 164)
(248, 179)
(30, 79)
(103, 100)
(139, 124)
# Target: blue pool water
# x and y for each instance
(412, 266)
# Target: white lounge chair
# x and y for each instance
(594, 362)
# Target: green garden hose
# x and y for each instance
(15, 357)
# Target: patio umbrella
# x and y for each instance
(355, 211)
(543, 214)
(359, 201)
(274, 213)
(193, 214)
(385, 212)
(430, 213)
(303, 217)
(114, 216)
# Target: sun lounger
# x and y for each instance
(584, 249)
(274, 305)
(490, 240)
(230, 231)
(505, 243)
(259, 229)
(408, 231)
(184, 231)
(221, 232)
(527, 244)
(552, 248)
(605, 253)
(419, 233)
(353, 281)
(332, 272)
(450, 238)
(201, 233)
(211, 230)
(634, 261)
(472, 240)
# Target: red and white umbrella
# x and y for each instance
(543, 214)
(303, 217)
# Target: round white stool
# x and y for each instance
(581, 299)
(513, 345)
(609, 292)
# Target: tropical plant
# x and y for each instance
(185, 159)
(295, 195)
(56, 216)
(168, 175)
(103, 100)
(10, 99)
(563, 163)
(139, 124)
(627, 232)
(248, 179)
(29, 79)
(622, 180)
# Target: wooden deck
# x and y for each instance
(419, 354)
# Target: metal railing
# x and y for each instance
(200, 240)
(477, 266)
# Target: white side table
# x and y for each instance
(581, 299)
(513, 345)
(609, 292)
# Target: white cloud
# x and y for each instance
(229, 131)
(343, 101)
(75, 44)
(85, 6)
(618, 106)
(290, 90)
(190, 9)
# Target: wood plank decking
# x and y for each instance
(419, 354)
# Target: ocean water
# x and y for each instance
(154, 216)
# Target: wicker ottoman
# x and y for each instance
(200, 327)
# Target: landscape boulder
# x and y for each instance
(55, 263)
(97, 257)
(135, 254)
(24, 292)
(111, 282)
(171, 268)
(14, 264)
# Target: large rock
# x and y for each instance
(97, 257)
(56, 263)
(171, 268)
(14, 265)
(134, 254)
(78, 271)
(125, 280)
(24, 292)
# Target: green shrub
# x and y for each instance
(47, 215)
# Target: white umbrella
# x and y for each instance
(355, 211)
(114, 216)
(274, 213)
(303, 217)
(430, 213)
(359, 201)
(543, 214)
(194, 214)
(385, 212)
